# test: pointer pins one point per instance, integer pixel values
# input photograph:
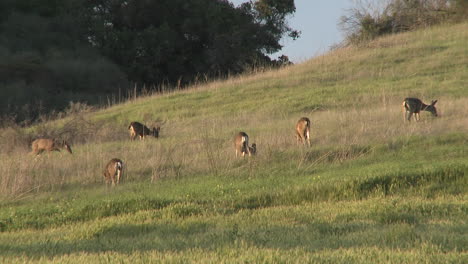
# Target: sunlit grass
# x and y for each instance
(371, 189)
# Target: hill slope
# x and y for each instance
(371, 189)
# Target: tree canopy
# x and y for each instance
(55, 51)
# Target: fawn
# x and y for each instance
(138, 129)
(45, 144)
(303, 130)
(241, 144)
(113, 171)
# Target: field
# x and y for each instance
(371, 188)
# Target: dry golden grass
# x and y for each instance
(197, 147)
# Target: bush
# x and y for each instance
(368, 20)
(13, 138)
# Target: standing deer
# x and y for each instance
(303, 131)
(138, 129)
(414, 106)
(241, 144)
(113, 171)
(45, 144)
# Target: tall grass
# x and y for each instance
(372, 188)
(207, 147)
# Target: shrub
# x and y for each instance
(367, 20)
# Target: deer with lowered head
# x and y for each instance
(45, 144)
(140, 130)
(241, 144)
(303, 131)
(412, 106)
(113, 171)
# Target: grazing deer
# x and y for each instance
(138, 129)
(241, 144)
(113, 171)
(42, 144)
(303, 130)
(414, 106)
(253, 149)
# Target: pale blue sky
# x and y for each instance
(317, 20)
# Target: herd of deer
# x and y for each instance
(114, 168)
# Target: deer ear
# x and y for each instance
(434, 102)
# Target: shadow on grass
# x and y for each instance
(197, 234)
(128, 238)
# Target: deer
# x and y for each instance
(241, 144)
(412, 106)
(138, 129)
(253, 149)
(113, 171)
(45, 144)
(303, 131)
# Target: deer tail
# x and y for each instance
(118, 165)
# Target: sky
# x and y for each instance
(318, 22)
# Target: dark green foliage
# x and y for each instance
(175, 40)
(54, 52)
(47, 61)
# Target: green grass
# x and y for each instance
(371, 189)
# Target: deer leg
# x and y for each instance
(298, 138)
(404, 112)
(117, 178)
(106, 178)
(304, 138)
(245, 148)
(108, 184)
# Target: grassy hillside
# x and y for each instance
(371, 188)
